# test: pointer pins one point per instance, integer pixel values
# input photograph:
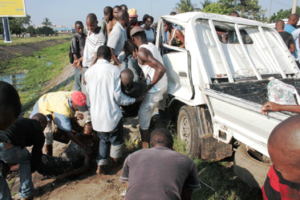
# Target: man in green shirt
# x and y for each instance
(108, 15)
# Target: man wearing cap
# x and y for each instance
(151, 62)
(133, 17)
(60, 107)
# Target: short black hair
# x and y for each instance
(79, 23)
(107, 10)
(123, 5)
(161, 136)
(173, 13)
(104, 52)
(116, 6)
(145, 17)
(234, 13)
(91, 17)
(152, 19)
(9, 100)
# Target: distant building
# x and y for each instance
(65, 30)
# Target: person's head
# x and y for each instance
(91, 22)
(293, 20)
(88, 129)
(127, 79)
(149, 22)
(10, 105)
(115, 11)
(124, 7)
(79, 27)
(41, 119)
(145, 17)
(123, 18)
(161, 137)
(167, 26)
(108, 13)
(279, 25)
(104, 52)
(284, 148)
(78, 100)
(234, 14)
(154, 26)
(133, 17)
(138, 36)
(173, 13)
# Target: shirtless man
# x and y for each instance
(113, 22)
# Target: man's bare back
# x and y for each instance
(110, 26)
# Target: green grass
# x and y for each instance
(38, 73)
(18, 41)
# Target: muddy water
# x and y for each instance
(14, 79)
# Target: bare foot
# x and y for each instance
(101, 170)
(117, 164)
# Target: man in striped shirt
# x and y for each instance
(283, 180)
(95, 39)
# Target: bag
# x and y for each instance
(282, 93)
(71, 58)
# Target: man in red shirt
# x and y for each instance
(283, 180)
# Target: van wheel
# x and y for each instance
(187, 131)
(251, 170)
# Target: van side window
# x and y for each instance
(229, 36)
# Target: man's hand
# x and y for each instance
(134, 54)
(270, 106)
(80, 116)
(139, 99)
(76, 63)
(84, 81)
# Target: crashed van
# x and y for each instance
(216, 88)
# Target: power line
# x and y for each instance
(283, 4)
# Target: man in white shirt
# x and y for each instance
(95, 39)
(118, 37)
(150, 61)
(103, 85)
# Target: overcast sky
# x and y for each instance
(66, 12)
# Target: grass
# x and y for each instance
(18, 41)
(38, 73)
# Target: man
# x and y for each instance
(159, 172)
(108, 15)
(283, 180)
(133, 17)
(10, 109)
(77, 47)
(124, 7)
(95, 39)
(104, 87)
(118, 37)
(114, 20)
(292, 23)
(60, 107)
(150, 61)
(287, 37)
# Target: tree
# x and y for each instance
(31, 30)
(283, 14)
(185, 6)
(47, 22)
(205, 3)
(45, 30)
(16, 24)
(216, 8)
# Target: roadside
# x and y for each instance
(18, 41)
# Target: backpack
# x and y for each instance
(71, 58)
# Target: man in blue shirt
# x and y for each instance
(292, 23)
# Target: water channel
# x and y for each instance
(13, 79)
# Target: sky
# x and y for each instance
(66, 12)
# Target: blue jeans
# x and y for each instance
(4, 189)
(16, 155)
(111, 143)
(83, 89)
(77, 78)
(133, 65)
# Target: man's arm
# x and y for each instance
(109, 28)
(191, 183)
(145, 58)
(114, 57)
(37, 151)
(180, 37)
(270, 106)
(292, 48)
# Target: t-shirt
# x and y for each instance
(158, 173)
(150, 35)
(289, 28)
(277, 188)
(287, 38)
(117, 38)
(78, 47)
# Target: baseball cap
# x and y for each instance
(80, 100)
(132, 12)
(135, 30)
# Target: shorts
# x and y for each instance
(148, 106)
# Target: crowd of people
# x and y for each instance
(119, 71)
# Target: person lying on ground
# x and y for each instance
(151, 62)
(270, 106)
(60, 107)
(287, 37)
(26, 133)
(145, 177)
(74, 160)
(133, 90)
(113, 21)
(283, 179)
(104, 87)
(176, 37)
(10, 109)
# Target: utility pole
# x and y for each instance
(294, 7)
(151, 7)
(270, 12)
(5, 22)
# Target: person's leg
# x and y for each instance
(104, 149)
(4, 189)
(83, 89)
(117, 145)
(77, 78)
(48, 132)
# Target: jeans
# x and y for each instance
(77, 78)
(83, 89)
(132, 63)
(111, 143)
(4, 189)
(16, 155)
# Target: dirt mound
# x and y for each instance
(10, 52)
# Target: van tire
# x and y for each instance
(187, 131)
(250, 170)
